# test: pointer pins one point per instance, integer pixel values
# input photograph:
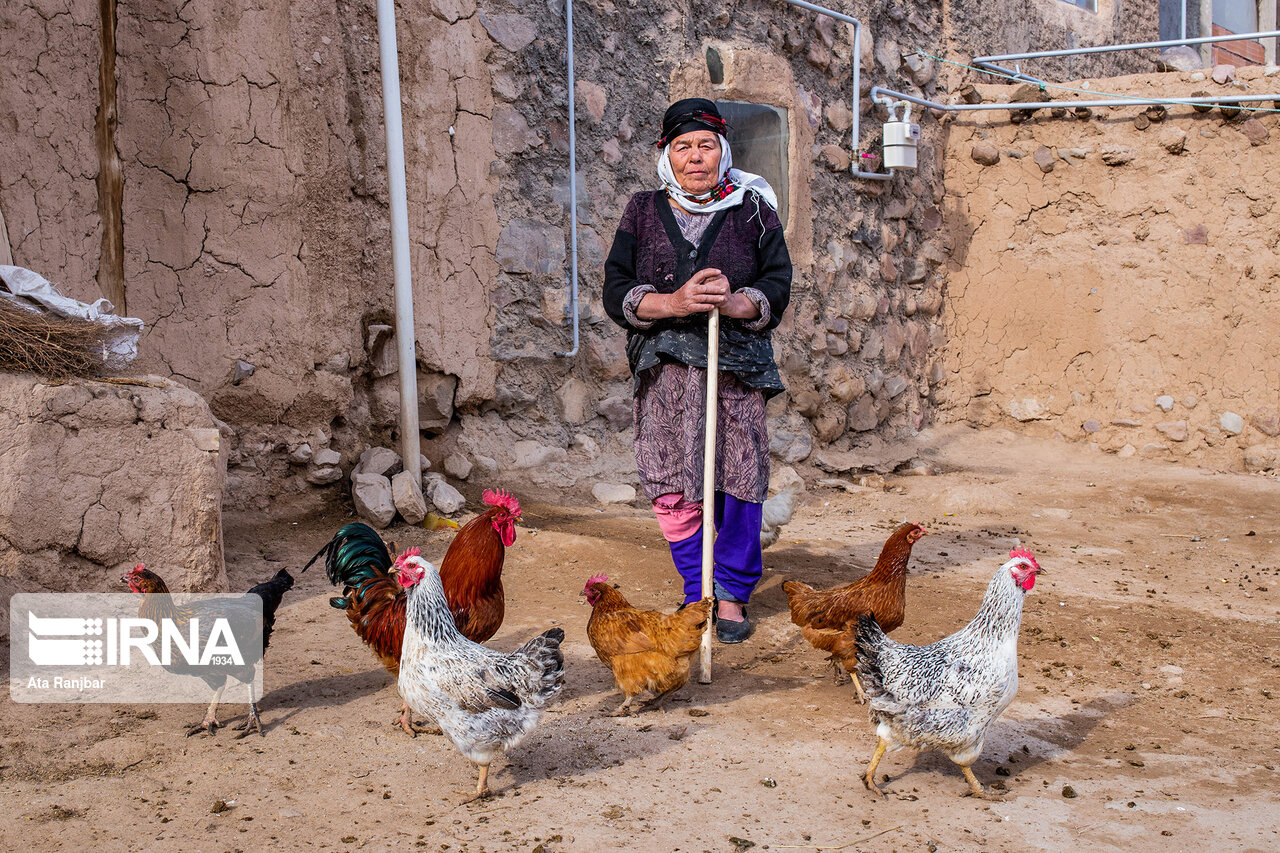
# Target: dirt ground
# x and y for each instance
(1144, 718)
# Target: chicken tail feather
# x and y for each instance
(545, 650)
(870, 639)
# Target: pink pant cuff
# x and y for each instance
(678, 519)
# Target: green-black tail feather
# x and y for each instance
(356, 554)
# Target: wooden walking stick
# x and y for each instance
(709, 481)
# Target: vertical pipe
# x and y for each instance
(573, 186)
(709, 481)
(410, 449)
(1184, 20)
(857, 97)
(110, 181)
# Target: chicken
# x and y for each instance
(778, 509)
(472, 567)
(486, 701)
(243, 620)
(827, 618)
(946, 695)
(358, 559)
(646, 650)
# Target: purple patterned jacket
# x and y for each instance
(746, 243)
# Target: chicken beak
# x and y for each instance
(1040, 570)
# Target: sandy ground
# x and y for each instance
(1145, 718)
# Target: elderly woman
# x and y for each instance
(708, 238)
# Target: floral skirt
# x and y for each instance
(670, 422)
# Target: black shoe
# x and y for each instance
(730, 632)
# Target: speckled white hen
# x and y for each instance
(486, 701)
(946, 695)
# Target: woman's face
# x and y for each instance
(695, 160)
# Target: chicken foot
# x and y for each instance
(405, 721)
(210, 722)
(837, 671)
(869, 778)
(655, 704)
(623, 710)
(975, 787)
(840, 674)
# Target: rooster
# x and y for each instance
(646, 650)
(946, 695)
(358, 559)
(827, 618)
(243, 620)
(486, 701)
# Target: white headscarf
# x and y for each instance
(739, 181)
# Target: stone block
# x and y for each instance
(526, 247)
(406, 493)
(613, 493)
(445, 497)
(373, 499)
(458, 466)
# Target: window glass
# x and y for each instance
(758, 136)
(1236, 16)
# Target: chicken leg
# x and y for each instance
(252, 723)
(210, 722)
(869, 778)
(623, 710)
(482, 786)
(857, 686)
(405, 721)
(975, 787)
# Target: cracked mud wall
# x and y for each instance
(1130, 296)
(49, 51)
(97, 477)
(255, 209)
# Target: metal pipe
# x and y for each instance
(988, 63)
(856, 147)
(1184, 21)
(573, 186)
(410, 450)
(888, 96)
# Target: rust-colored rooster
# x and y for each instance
(829, 618)
(471, 571)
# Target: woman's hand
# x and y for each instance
(707, 289)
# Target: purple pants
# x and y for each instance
(739, 563)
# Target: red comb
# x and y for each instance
(413, 551)
(502, 498)
(141, 567)
(597, 579)
(1023, 554)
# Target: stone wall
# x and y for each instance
(985, 28)
(255, 213)
(95, 477)
(1116, 280)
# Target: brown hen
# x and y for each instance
(646, 650)
(829, 618)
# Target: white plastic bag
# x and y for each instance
(25, 287)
